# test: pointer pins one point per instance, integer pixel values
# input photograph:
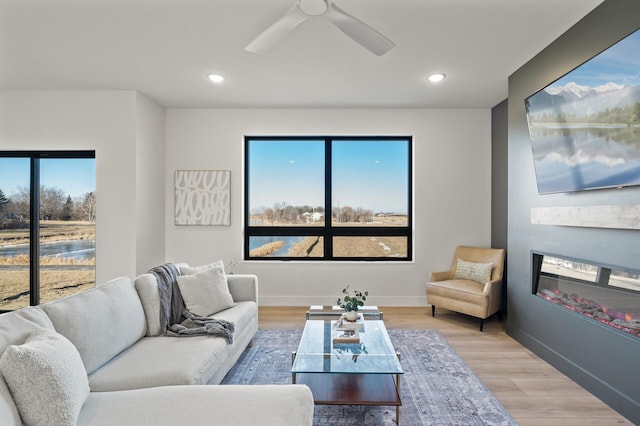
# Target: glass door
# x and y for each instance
(14, 232)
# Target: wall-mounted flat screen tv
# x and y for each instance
(585, 126)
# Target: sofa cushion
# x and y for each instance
(228, 405)
(205, 293)
(47, 379)
(480, 272)
(166, 360)
(460, 296)
(100, 322)
(245, 317)
(147, 288)
(243, 314)
(17, 326)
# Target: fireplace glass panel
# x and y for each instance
(622, 279)
(605, 294)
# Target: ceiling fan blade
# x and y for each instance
(277, 31)
(360, 32)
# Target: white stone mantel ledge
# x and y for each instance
(625, 216)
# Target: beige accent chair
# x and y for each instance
(466, 296)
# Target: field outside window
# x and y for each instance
(328, 198)
(64, 222)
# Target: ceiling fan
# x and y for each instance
(360, 32)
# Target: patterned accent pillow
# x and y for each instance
(47, 379)
(480, 272)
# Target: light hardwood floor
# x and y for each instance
(531, 390)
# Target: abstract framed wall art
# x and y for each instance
(203, 197)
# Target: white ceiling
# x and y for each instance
(165, 49)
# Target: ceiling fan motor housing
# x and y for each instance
(314, 7)
(303, 10)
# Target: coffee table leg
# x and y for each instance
(398, 390)
(397, 406)
(293, 375)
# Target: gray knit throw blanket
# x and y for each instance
(175, 318)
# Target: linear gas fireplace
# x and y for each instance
(606, 294)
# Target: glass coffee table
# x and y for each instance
(366, 372)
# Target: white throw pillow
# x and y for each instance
(47, 379)
(480, 272)
(191, 270)
(206, 293)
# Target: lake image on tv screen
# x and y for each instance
(585, 127)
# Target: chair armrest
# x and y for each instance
(493, 292)
(243, 287)
(440, 276)
(492, 286)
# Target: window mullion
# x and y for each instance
(328, 213)
(34, 233)
(247, 190)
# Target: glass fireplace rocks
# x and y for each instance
(606, 294)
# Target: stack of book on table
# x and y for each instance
(345, 331)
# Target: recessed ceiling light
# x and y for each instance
(437, 77)
(216, 78)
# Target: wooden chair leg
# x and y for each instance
(433, 310)
(481, 324)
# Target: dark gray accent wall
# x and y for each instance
(499, 187)
(499, 175)
(603, 360)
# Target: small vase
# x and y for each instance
(351, 315)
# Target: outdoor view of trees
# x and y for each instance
(54, 205)
(66, 224)
(283, 214)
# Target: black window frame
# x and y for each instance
(327, 231)
(34, 208)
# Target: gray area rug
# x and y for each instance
(438, 388)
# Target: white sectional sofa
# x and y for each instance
(134, 374)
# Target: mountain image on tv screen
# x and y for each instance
(585, 126)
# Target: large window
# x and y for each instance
(328, 198)
(47, 226)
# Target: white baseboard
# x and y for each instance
(407, 301)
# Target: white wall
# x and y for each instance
(134, 179)
(107, 123)
(452, 195)
(150, 169)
